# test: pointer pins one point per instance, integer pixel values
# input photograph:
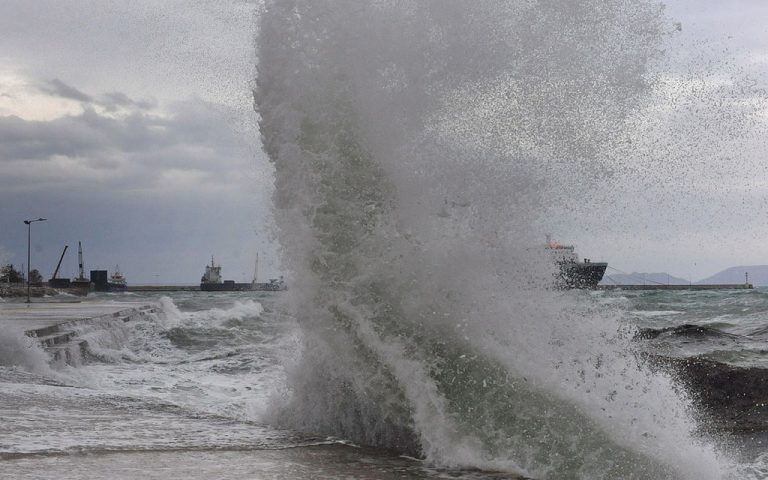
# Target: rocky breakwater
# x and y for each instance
(734, 398)
(731, 398)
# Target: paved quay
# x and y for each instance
(38, 314)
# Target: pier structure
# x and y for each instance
(661, 286)
(649, 284)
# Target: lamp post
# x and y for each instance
(29, 244)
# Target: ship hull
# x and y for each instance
(78, 286)
(226, 287)
(117, 287)
(581, 274)
(59, 283)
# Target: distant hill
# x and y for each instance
(758, 275)
(639, 278)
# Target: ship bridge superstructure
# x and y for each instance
(212, 273)
(561, 253)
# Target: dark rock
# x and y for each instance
(732, 399)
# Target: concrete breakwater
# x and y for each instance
(654, 286)
(58, 326)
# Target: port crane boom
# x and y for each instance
(58, 265)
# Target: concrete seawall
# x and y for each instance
(56, 325)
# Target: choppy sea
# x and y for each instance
(188, 393)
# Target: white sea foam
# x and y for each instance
(195, 359)
(170, 313)
(238, 311)
(19, 350)
(656, 313)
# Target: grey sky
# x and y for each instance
(129, 125)
(696, 201)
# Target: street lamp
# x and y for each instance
(29, 243)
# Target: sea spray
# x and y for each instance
(17, 349)
(419, 151)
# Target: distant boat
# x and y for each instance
(117, 282)
(572, 272)
(211, 281)
(274, 285)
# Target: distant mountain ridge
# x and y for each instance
(758, 276)
(641, 278)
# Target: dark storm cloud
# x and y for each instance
(57, 88)
(111, 101)
(33, 140)
(92, 135)
(114, 100)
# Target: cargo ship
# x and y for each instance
(212, 282)
(117, 282)
(573, 273)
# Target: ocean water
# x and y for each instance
(194, 392)
(721, 325)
